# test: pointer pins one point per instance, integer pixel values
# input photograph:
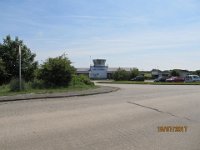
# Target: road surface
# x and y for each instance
(137, 117)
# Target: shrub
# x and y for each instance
(81, 80)
(197, 72)
(37, 84)
(56, 71)
(14, 85)
(3, 74)
(133, 73)
(148, 76)
(175, 73)
(121, 75)
(84, 79)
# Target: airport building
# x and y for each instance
(99, 70)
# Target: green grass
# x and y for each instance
(152, 83)
(5, 90)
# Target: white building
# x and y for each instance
(99, 70)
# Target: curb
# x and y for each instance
(101, 90)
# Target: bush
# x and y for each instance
(56, 71)
(134, 73)
(84, 79)
(37, 84)
(197, 72)
(148, 76)
(175, 73)
(121, 75)
(14, 85)
(81, 80)
(3, 74)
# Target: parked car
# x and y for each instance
(138, 78)
(192, 78)
(175, 79)
(160, 79)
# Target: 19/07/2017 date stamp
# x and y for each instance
(172, 129)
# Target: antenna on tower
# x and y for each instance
(90, 61)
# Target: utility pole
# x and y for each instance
(20, 68)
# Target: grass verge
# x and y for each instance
(152, 83)
(5, 90)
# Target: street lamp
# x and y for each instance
(20, 68)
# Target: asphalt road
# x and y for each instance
(128, 119)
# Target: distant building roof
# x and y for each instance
(157, 70)
(183, 70)
(82, 70)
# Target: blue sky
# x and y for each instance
(147, 34)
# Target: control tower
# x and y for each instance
(99, 70)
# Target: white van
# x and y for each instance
(192, 78)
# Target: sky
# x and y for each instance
(147, 34)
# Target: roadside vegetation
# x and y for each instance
(152, 83)
(29, 89)
(54, 75)
(121, 74)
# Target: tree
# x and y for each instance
(197, 72)
(121, 75)
(134, 72)
(3, 73)
(56, 71)
(175, 73)
(10, 57)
